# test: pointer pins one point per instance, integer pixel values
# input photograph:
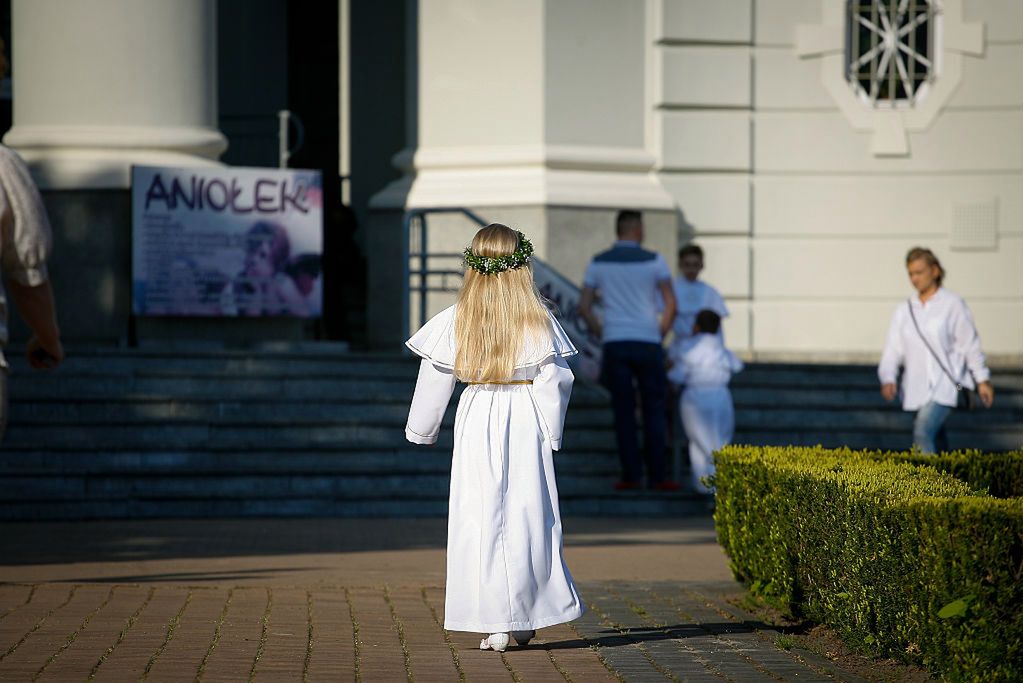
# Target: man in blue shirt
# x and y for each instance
(634, 286)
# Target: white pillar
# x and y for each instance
(100, 85)
(533, 113)
(529, 103)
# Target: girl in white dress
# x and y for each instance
(505, 572)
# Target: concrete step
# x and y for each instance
(362, 410)
(184, 485)
(107, 362)
(348, 430)
(145, 387)
(396, 463)
(161, 435)
(98, 412)
(128, 361)
(153, 433)
(651, 505)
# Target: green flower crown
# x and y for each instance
(488, 265)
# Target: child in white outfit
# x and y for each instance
(704, 367)
(506, 575)
(692, 295)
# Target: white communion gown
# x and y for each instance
(505, 570)
(705, 367)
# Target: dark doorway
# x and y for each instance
(275, 55)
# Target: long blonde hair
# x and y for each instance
(495, 313)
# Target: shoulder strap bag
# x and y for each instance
(966, 399)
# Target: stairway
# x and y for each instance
(147, 433)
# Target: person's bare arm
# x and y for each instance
(36, 306)
(586, 299)
(668, 314)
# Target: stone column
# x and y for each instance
(532, 113)
(100, 85)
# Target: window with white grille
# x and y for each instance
(892, 50)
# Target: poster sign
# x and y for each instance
(226, 242)
(565, 297)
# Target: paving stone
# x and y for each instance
(478, 665)
(45, 638)
(430, 657)
(636, 632)
(82, 656)
(184, 652)
(621, 651)
(379, 655)
(234, 652)
(287, 637)
(332, 657)
(571, 655)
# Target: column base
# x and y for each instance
(101, 157)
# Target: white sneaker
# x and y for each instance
(523, 637)
(498, 642)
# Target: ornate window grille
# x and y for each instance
(892, 50)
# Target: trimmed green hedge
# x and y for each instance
(902, 559)
(1001, 474)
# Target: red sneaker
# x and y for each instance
(666, 485)
(627, 485)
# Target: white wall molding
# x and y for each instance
(526, 184)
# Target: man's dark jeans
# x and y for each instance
(626, 362)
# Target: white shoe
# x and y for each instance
(523, 637)
(498, 642)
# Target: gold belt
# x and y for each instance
(514, 381)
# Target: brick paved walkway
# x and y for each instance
(121, 632)
(361, 599)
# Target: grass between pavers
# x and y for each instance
(596, 650)
(309, 636)
(356, 643)
(74, 635)
(511, 670)
(217, 630)
(172, 626)
(28, 599)
(447, 636)
(556, 664)
(39, 623)
(123, 634)
(402, 640)
(263, 633)
(624, 629)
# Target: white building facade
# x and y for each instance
(807, 189)
(806, 145)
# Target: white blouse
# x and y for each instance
(541, 360)
(690, 299)
(948, 325)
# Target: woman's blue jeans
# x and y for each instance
(929, 433)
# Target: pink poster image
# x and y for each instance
(227, 242)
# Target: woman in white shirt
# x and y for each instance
(933, 338)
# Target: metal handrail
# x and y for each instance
(562, 294)
(424, 272)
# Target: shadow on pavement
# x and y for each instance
(38, 543)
